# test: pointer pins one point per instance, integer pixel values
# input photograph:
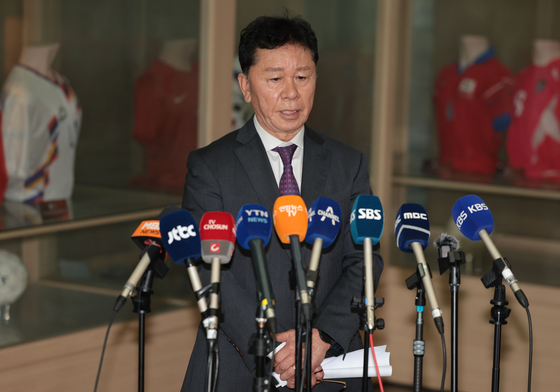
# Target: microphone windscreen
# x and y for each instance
(217, 236)
(412, 225)
(324, 221)
(367, 219)
(180, 236)
(471, 215)
(148, 231)
(290, 218)
(253, 221)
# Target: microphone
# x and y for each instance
(181, 239)
(290, 222)
(217, 237)
(147, 236)
(412, 232)
(322, 229)
(446, 245)
(366, 226)
(254, 227)
(475, 221)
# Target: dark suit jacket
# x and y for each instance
(234, 171)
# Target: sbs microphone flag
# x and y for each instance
(366, 225)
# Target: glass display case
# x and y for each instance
(469, 116)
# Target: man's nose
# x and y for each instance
(290, 90)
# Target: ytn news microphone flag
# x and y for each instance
(254, 227)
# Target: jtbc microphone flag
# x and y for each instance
(324, 221)
(217, 233)
(412, 225)
(180, 236)
(471, 215)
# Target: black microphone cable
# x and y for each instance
(103, 350)
(444, 362)
(530, 349)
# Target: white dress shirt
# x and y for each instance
(270, 142)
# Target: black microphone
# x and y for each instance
(412, 232)
(181, 239)
(253, 228)
(147, 236)
(323, 227)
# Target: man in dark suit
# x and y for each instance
(278, 56)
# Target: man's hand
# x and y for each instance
(285, 359)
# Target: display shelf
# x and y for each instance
(476, 187)
(44, 311)
(90, 207)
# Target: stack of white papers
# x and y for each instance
(352, 366)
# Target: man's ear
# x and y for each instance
(244, 86)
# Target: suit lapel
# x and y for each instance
(316, 166)
(253, 158)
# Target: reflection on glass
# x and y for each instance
(41, 119)
(165, 115)
(473, 102)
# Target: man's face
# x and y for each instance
(281, 87)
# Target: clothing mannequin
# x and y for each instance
(544, 51)
(470, 48)
(40, 58)
(473, 102)
(179, 53)
(165, 115)
(41, 119)
(533, 141)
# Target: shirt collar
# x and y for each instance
(271, 142)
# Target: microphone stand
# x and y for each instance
(499, 314)
(358, 305)
(418, 345)
(141, 303)
(453, 261)
(259, 349)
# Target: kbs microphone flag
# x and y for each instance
(324, 221)
(471, 215)
(412, 225)
(217, 235)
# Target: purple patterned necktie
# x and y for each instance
(288, 184)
